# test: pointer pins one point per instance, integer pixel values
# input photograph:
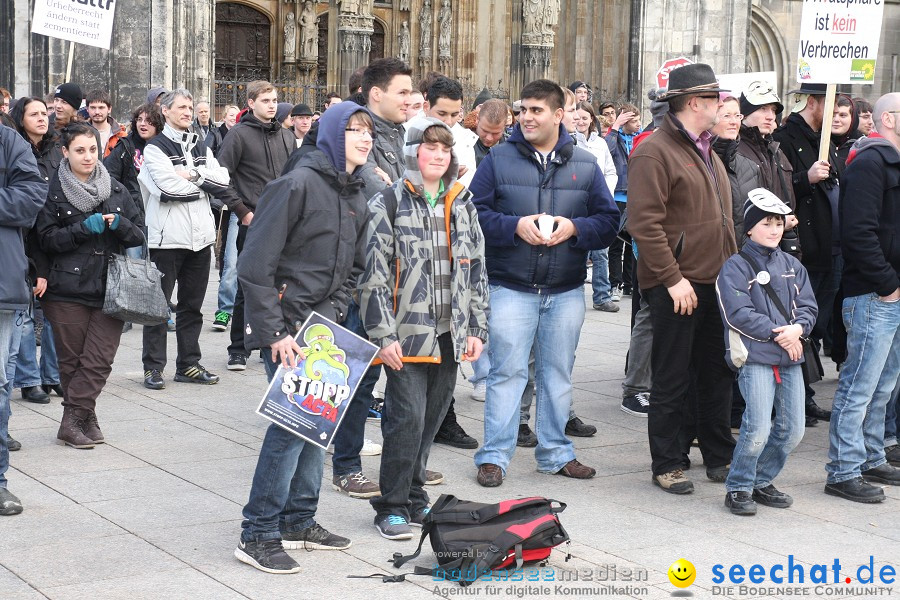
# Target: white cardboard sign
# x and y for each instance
(839, 41)
(88, 22)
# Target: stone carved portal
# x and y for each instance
(243, 44)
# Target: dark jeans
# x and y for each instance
(349, 439)
(686, 348)
(285, 491)
(825, 286)
(86, 343)
(419, 396)
(619, 253)
(191, 271)
(237, 316)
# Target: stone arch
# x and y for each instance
(767, 50)
(380, 43)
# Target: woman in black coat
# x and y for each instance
(88, 216)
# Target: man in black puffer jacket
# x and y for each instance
(537, 275)
(254, 152)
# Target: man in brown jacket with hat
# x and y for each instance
(679, 200)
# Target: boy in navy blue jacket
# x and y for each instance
(765, 348)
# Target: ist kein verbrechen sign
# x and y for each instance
(839, 41)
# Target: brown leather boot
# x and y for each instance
(71, 431)
(92, 428)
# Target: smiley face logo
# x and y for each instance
(682, 573)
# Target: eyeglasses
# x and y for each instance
(708, 97)
(360, 132)
(732, 117)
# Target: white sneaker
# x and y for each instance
(616, 294)
(370, 448)
(479, 391)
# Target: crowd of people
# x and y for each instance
(448, 234)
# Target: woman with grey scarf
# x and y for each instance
(88, 216)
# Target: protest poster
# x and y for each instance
(839, 41)
(311, 399)
(88, 22)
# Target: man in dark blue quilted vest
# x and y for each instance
(543, 205)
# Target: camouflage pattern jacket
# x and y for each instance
(397, 296)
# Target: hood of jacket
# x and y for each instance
(330, 137)
(415, 131)
(874, 141)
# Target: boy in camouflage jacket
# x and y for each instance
(423, 299)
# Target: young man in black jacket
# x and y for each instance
(254, 153)
(870, 226)
(286, 276)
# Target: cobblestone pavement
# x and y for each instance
(155, 512)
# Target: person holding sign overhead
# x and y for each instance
(815, 184)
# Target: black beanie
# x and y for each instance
(70, 93)
(746, 107)
(762, 203)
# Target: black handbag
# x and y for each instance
(134, 290)
(812, 366)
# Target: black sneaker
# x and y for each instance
(268, 556)
(375, 410)
(419, 518)
(452, 434)
(237, 362)
(770, 496)
(740, 503)
(314, 537)
(9, 504)
(577, 428)
(12, 445)
(637, 404)
(885, 474)
(892, 454)
(196, 374)
(526, 438)
(857, 490)
(153, 380)
(816, 411)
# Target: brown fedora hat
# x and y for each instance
(697, 78)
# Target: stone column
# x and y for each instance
(538, 18)
(355, 38)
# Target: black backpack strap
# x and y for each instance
(767, 287)
(398, 560)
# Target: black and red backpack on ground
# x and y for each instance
(471, 539)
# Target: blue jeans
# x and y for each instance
(866, 383)
(482, 366)
(30, 373)
(892, 418)
(10, 332)
(350, 437)
(551, 324)
(228, 281)
(600, 276)
(763, 447)
(285, 491)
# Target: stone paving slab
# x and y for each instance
(155, 512)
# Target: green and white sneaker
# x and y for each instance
(221, 321)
